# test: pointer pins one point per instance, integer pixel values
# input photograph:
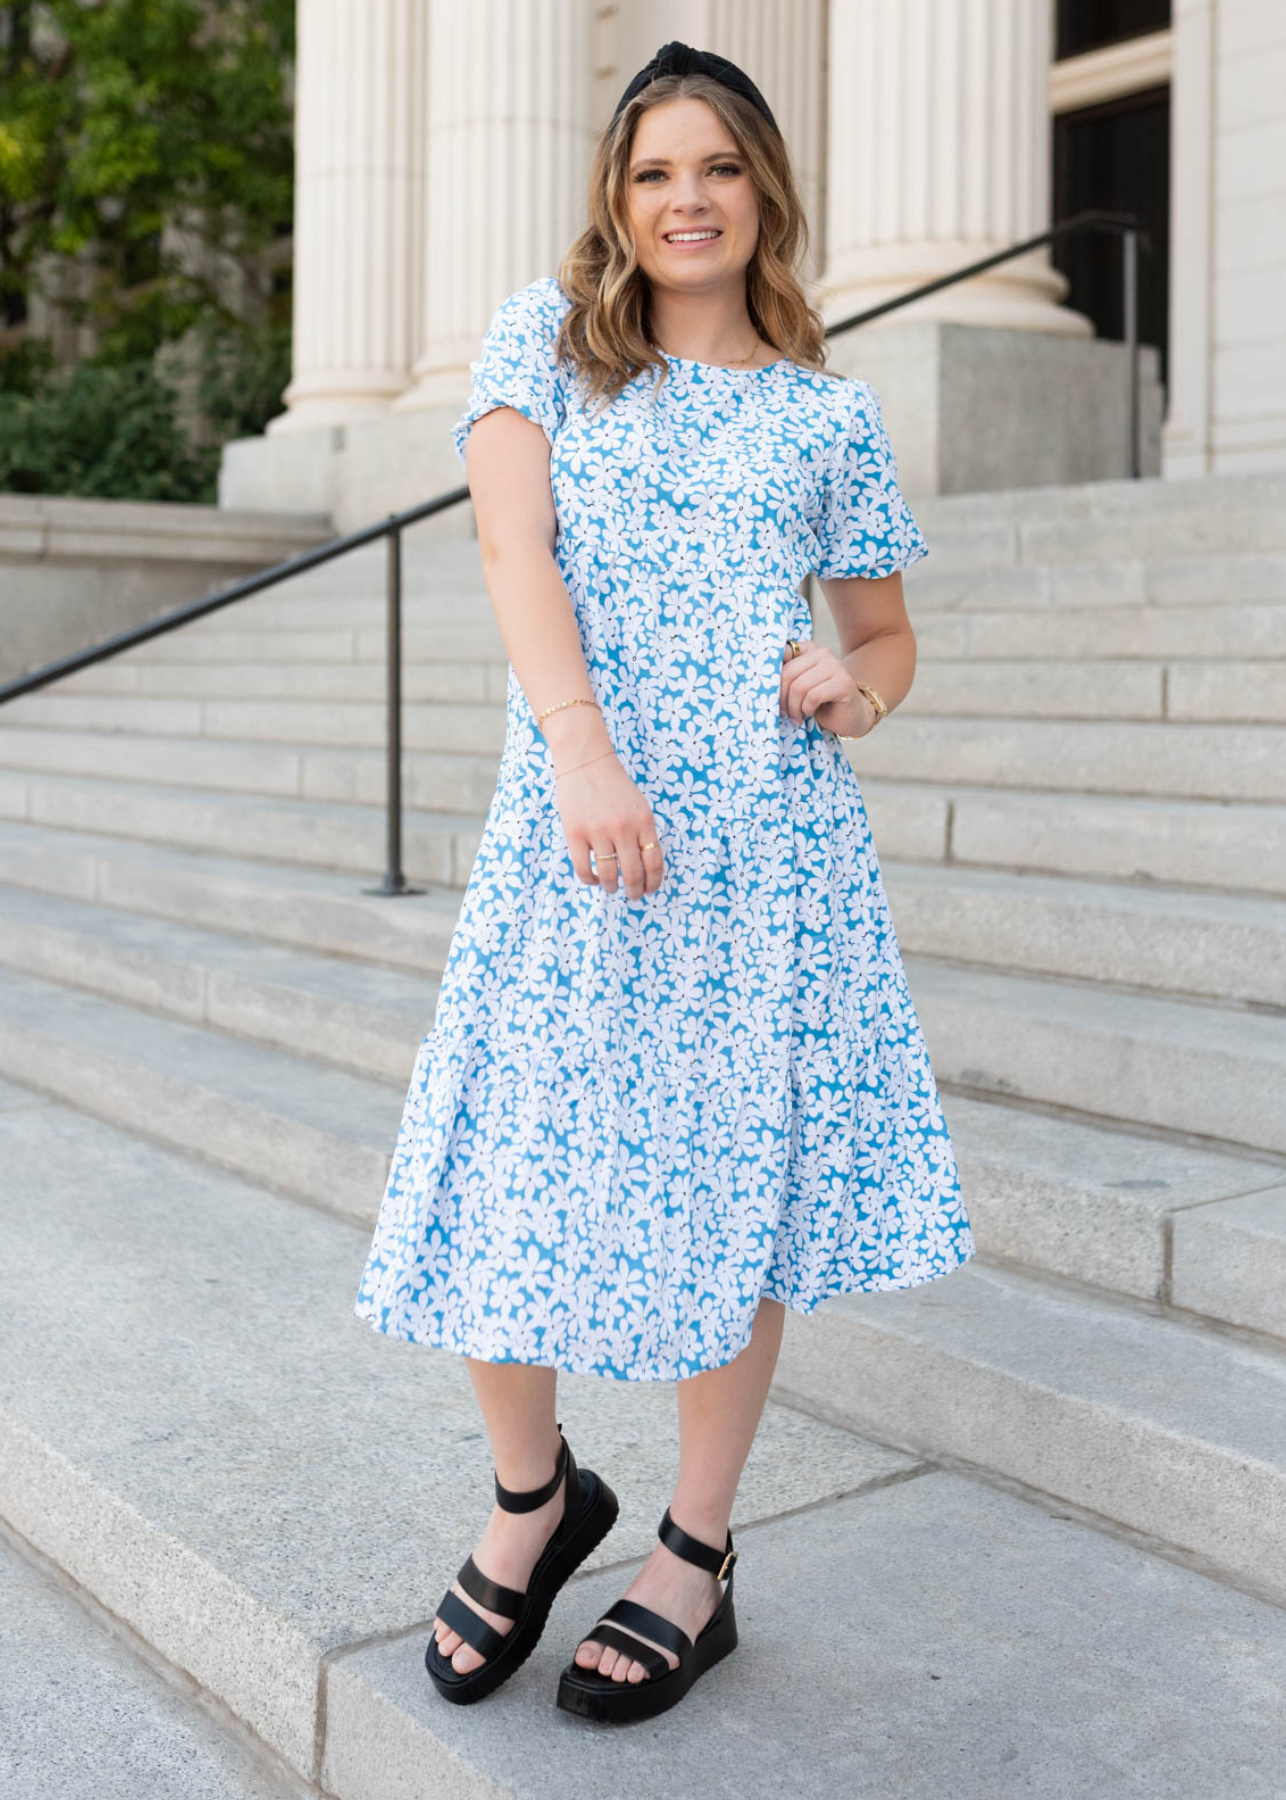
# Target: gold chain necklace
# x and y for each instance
(732, 365)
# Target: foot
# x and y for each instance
(671, 1586)
(507, 1551)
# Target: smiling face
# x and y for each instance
(687, 176)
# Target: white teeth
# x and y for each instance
(688, 237)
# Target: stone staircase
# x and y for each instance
(1080, 813)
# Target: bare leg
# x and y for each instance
(719, 1413)
(517, 1403)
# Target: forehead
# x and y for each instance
(681, 130)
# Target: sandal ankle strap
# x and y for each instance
(527, 1500)
(691, 1549)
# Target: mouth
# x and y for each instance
(692, 240)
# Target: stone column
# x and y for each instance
(509, 139)
(359, 205)
(938, 154)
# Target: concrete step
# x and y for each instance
(315, 1132)
(365, 1019)
(447, 682)
(451, 640)
(460, 782)
(1175, 761)
(1241, 848)
(1211, 843)
(443, 726)
(437, 847)
(1210, 496)
(314, 909)
(1157, 1424)
(1048, 567)
(283, 697)
(303, 1608)
(274, 702)
(1185, 1230)
(1179, 633)
(89, 1714)
(436, 592)
(1228, 691)
(1213, 1074)
(1222, 763)
(1178, 941)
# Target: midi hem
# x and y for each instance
(467, 1343)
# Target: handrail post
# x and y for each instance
(1130, 277)
(394, 881)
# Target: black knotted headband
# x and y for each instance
(676, 58)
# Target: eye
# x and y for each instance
(732, 169)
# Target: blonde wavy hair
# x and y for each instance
(604, 332)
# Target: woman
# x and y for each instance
(676, 1082)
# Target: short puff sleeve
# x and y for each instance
(517, 366)
(865, 525)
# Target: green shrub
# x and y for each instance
(107, 432)
(244, 372)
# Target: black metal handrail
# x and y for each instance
(392, 527)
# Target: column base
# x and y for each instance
(972, 408)
(355, 473)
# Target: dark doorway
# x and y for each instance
(1090, 24)
(1116, 155)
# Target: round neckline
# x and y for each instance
(691, 362)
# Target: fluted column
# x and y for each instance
(509, 141)
(359, 206)
(939, 153)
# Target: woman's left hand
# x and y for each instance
(817, 684)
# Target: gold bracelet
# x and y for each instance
(588, 760)
(881, 708)
(561, 704)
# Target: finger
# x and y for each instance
(653, 863)
(630, 866)
(818, 693)
(584, 868)
(607, 865)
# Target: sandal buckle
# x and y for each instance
(726, 1566)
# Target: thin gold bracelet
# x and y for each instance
(579, 701)
(585, 764)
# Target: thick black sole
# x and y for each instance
(593, 1696)
(598, 1515)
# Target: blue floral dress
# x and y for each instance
(631, 1119)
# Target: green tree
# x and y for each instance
(122, 116)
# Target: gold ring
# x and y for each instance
(794, 646)
(604, 855)
(654, 845)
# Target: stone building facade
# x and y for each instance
(442, 158)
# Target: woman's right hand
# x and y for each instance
(602, 810)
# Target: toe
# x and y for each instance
(587, 1654)
(465, 1659)
(637, 1672)
(449, 1642)
(607, 1661)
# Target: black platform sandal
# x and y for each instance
(597, 1696)
(589, 1512)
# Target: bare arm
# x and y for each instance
(507, 462)
(877, 646)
